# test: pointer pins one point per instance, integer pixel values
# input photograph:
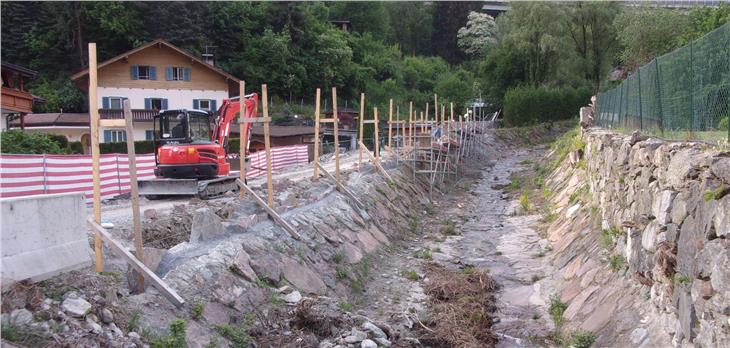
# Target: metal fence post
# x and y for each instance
(691, 88)
(641, 115)
(659, 95)
(620, 102)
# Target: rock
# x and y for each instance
(638, 335)
(721, 220)
(267, 267)
(351, 253)
(326, 344)
(206, 225)
(133, 335)
(374, 330)
(721, 169)
(116, 330)
(302, 277)
(216, 313)
(368, 344)
(75, 306)
(383, 342)
(649, 236)
(106, 316)
(687, 316)
(355, 336)
(20, 317)
(662, 206)
(293, 297)
(243, 262)
(150, 213)
(93, 326)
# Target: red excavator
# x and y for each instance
(191, 159)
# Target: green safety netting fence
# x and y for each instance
(684, 94)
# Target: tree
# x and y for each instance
(645, 33)
(448, 18)
(590, 28)
(411, 26)
(60, 95)
(703, 20)
(18, 141)
(478, 36)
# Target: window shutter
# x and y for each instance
(186, 74)
(135, 72)
(213, 107)
(124, 135)
(148, 134)
(107, 135)
(104, 102)
(196, 104)
(147, 103)
(153, 73)
(168, 73)
(164, 104)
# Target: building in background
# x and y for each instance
(156, 76)
(16, 100)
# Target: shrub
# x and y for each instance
(21, 142)
(556, 309)
(140, 147)
(582, 339)
(529, 105)
(723, 124)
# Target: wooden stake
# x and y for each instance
(410, 123)
(134, 195)
(435, 109)
(375, 162)
(376, 141)
(316, 135)
(425, 119)
(452, 112)
(95, 155)
(140, 267)
(341, 187)
(267, 145)
(362, 129)
(270, 210)
(242, 143)
(390, 126)
(337, 134)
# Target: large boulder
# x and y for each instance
(303, 278)
(206, 225)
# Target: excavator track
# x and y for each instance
(201, 188)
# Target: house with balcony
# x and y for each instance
(16, 100)
(155, 76)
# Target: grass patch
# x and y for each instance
(449, 228)
(524, 201)
(514, 185)
(713, 195)
(197, 310)
(577, 194)
(174, 338)
(238, 335)
(413, 224)
(681, 279)
(340, 273)
(556, 309)
(617, 262)
(423, 254)
(582, 339)
(24, 336)
(409, 274)
(346, 306)
(468, 270)
(338, 257)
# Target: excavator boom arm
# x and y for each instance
(227, 115)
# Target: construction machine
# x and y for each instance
(190, 157)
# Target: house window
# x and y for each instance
(155, 103)
(177, 73)
(144, 72)
(148, 134)
(204, 104)
(114, 135)
(115, 102)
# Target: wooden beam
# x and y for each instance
(112, 123)
(336, 130)
(264, 119)
(269, 210)
(375, 163)
(242, 143)
(368, 121)
(362, 130)
(134, 195)
(95, 155)
(340, 186)
(140, 267)
(327, 120)
(390, 126)
(316, 135)
(267, 145)
(376, 140)
(410, 123)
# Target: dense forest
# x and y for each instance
(400, 50)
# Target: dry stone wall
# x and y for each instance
(668, 205)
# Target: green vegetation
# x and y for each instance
(525, 202)
(174, 338)
(556, 309)
(17, 141)
(617, 262)
(340, 273)
(573, 198)
(338, 257)
(715, 194)
(409, 274)
(197, 310)
(529, 104)
(515, 184)
(468, 269)
(423, 254)
(681, 279)
(449, 228)
(24, 336)
(413, 224)
(133, 324)
(582, 339)
(346, 306)
(238, 335)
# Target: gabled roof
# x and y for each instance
(151, 44)
(23, 71)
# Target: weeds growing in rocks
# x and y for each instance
(174, 338)
(460, 308)
(681, 279)
(25, 336)
(338, 257)
(409, 274)
(514, 185)
(413, 224)
(582, 339)
(197, 310)
(238, 335)
(346, 306)
(556, 309)
(468, 270)
(617, 262)
(423, 254)
(449, 228)
(573, 198)
(525, 202)
(340, 273)
(716, 194)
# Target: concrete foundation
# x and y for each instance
(43, 236)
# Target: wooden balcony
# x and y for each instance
(14, 100)
(137, 114)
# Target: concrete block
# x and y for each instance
(43, 236)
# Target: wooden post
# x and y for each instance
(452, 112)
(95, 156)
(242, 143)
(425, 119)
(270, 210)
(336, 131)
(267, 145)
(435, 109)
(390, 126)
(410, 123)
(316, 135)
(362, 129)
(443, 113)
(134, 195)
(376, 141)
